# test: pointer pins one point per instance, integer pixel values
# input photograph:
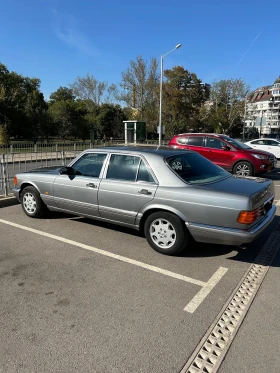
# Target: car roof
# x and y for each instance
(265, 138)
(201, 134)
(163, 151)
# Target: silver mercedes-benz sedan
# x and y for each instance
(169, 194)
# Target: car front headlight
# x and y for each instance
(260, 156)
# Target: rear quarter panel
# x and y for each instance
(197, 205)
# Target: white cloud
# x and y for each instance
(66, 29)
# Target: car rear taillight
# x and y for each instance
(248, 217)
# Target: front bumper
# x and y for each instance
(16, 192)
(229, 236)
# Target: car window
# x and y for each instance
(272, 143)
(195, 140)
(182, 140)
(144, 174)
(89, 164)
(123, 167)
(195, 169)
(258, 142)
(215, 143)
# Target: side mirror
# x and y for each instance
(66, 171)
(226, 147)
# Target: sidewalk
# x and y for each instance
(256, 347)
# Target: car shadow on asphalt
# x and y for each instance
(196, 249)
(242, 254)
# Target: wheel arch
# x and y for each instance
(25, 184)
(243, 160)
(156, 208)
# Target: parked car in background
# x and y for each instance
(232, 155)
(169, 194)
(267, 144)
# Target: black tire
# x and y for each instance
(31, 203)
(243, 168)
(171, 226)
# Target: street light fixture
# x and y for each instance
(160, 93)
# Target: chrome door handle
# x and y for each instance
(144, 191)
(91, 185)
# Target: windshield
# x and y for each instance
(195, 169)
(236, 143)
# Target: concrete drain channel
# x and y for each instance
(212, 349)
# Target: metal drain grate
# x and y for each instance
(211, 351)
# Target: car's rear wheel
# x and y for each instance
(243, 168)
(166, 233)
(31, 202)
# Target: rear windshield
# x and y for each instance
(195, 169)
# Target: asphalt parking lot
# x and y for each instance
(83, 296)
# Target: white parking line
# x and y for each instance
(191, 307)
(202, 294)
(278, 203)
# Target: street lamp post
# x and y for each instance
(160, 93)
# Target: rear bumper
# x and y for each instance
(229, 236)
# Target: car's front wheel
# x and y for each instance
(243, 168)
(31, 203)
(166, 233)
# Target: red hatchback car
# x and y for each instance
(232, 155)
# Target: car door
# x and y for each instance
(78, 193)
(258, 144)
(197, 144)
(128, 185)
(273, 146)
(219, 152)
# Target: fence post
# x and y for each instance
(35, 148)
(5, 173)
(11, 149)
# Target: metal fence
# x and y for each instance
(13, 163)
(25, 157)
(45, 147)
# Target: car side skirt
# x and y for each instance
(136, 227)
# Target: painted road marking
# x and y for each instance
(191, 307)
(278, 203)
(202, 294)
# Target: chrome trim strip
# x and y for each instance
(75, 203)
(117, 211)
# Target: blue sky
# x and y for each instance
(57, 40)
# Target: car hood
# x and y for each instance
(242, 185)
(48, 170)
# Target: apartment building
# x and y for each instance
(262, 112)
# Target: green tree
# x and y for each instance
(62, 94)
(109, 121)
(17, 96)
(183, 96)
